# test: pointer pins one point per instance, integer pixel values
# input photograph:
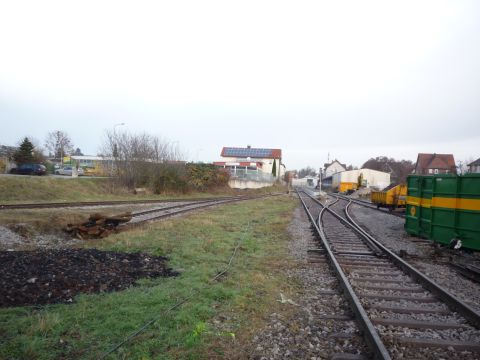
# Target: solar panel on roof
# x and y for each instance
(242, 152)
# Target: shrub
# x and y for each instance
(205, 176)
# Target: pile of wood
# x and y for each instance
(98, 226)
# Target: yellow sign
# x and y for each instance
(413, 210)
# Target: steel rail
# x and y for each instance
(104, 203)
(443, 294)
(128, 226)
(368, 205)
(370, 333)
(345, 221)
(140, 213)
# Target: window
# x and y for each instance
(436, 171)
(430, 171)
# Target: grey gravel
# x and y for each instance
(11, 241)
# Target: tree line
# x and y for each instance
(133, 161)
(58, 144)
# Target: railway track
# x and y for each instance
(104, 203)
(460, 260)
(142, 217)
(403, 313)
(370, 205)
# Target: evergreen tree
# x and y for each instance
(24, 154)
(274, 168)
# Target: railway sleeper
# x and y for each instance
(371, 264)
(421, 299)
(417, 289)
(409, 310)
(348, 356)
(383, 273)
(439, 343)
(355, 253)
(418, 324)
(378, 280)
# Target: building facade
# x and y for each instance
(332, 168)
(349, 180)
(259, 162)
(474, 167)
(430, 164)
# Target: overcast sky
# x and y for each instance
(353, 79)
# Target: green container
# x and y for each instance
(444, 207)
(418, 213)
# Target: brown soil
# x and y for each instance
(55, 276)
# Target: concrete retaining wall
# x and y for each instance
(248, 184)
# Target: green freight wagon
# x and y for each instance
(444, 207)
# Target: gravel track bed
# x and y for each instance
(389, 231)
(306, 335)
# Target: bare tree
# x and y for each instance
(59, 144)
(141, 159)
(308, 171)
(399, 169)
(462, 165)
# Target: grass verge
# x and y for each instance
(36, 189)
(199, 245)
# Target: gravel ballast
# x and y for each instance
(322, 325)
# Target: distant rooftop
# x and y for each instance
(435, 161)
(475, 163)
(249, 152)
(334, 161)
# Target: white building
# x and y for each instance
(347, 180)
(308, 181)
(334, 167)
(253, 161)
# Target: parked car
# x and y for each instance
(67, 170)
(29, 169)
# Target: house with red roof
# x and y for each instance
(429, 164)
(254, 161)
